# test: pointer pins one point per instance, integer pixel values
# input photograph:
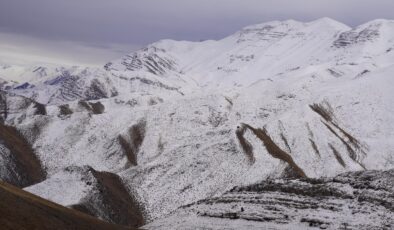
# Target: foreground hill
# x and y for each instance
(356, 200)
(23, 210)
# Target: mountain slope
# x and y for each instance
(359, 200)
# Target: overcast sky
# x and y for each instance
(92, 32)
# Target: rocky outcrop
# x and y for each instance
(151, 59)
(354, 200)
(15, 107)
(359, 35)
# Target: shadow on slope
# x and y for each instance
(23, 210)
(119, 206)
(21, 166)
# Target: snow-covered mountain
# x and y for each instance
(178, 122)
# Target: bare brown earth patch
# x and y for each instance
(353, 146)
(351, 152)
(97, 107)
(337, 155)
(40, 109)
(93, 107)
(324, 110)
(245, 144)
(132, 141)
(274, 150)
(64, 110)
(314, 146)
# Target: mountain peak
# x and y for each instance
(287, 23)
(376, 24)
(326, 21)
(292, 24)
(380, 21)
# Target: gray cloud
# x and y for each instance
(22, 50)
(139, 22)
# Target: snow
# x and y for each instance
(66, 187)
(327, 203)
(193, 95)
